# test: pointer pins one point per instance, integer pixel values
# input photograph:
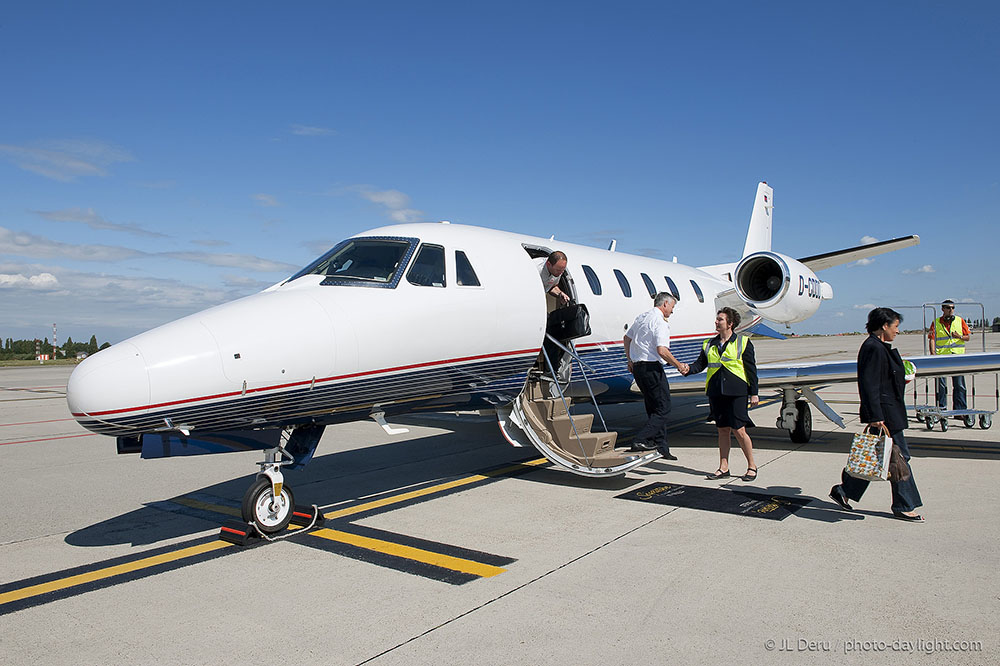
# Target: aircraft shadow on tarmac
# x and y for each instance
(344, 476)
(328, 480)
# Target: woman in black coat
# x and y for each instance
(728, 392)
(881, 379)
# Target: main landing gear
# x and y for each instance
(796, 417)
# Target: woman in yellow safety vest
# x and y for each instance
(732, 377)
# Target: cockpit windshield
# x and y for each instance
(370, 262)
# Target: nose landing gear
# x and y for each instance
(268, 502)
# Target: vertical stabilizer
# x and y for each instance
(759, 233)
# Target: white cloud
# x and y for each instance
(864, 262)
(94, 221)
(926, 268)
(868, 240)
(66, 160)
(158, 184)
(396, 202)
(307, 130)
(317, 248)
(41, 282)
(865, 306)
(23, 244)
(243, 261)
(265, 200)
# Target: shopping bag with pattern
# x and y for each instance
(869, 458)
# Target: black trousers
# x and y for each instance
(652, 381)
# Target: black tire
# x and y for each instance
(985, 421)
(256, 507)
(920, 418)
(944, 425)
(969, 420)
(803, 429)
(929, 424)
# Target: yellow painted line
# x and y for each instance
(101, 574)
(410, 553)
(205, 506)
(395, 499)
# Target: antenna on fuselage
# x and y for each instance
(614, 243)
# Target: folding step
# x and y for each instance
(562, 426)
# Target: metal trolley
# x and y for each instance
(931, 414)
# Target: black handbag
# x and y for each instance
(569, 323)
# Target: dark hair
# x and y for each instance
(879, 317)
(556, 257)
(732, 316)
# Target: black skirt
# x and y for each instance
(730, 411)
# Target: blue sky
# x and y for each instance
(158, 159)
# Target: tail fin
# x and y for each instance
(759, 233)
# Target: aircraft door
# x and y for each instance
(541, 416)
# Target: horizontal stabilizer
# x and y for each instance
(820, 261)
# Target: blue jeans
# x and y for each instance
(958, 399)
(905, 496)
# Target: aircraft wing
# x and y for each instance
(774, 375)
(829, 259)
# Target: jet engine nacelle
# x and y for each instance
(779, 288)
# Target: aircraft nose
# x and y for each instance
(113, 379)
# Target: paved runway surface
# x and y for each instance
(448, 546)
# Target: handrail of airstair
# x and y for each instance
(572, 423)
(583, 370)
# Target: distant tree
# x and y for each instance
(105, 345)
(996, 320)
(92, 345)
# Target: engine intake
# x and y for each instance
(779, 288)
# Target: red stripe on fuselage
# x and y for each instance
(308, 382)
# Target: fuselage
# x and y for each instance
(319, 348)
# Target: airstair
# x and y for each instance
(567, 440)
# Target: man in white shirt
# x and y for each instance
(647, 341)
(551, 270)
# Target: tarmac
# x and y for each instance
(448, 546)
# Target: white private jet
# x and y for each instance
(440, 316)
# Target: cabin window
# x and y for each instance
(697, 292)
(650, 287)
(367, 262)
(673, 288)
(465, 275)
(428, 268)
(595, 284)
(623, 283)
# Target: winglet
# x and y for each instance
(759, 233)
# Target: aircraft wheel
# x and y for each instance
(944, 425)
(985, 421)
(803, 429)
(257, 507)
(969, 420)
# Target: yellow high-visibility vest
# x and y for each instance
(731, 358)
(945, 344)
